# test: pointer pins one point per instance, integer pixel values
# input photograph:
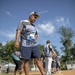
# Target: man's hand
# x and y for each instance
(36, 36)
(16, 44)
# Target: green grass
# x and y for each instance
(5, 74)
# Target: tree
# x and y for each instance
(73, 52)
(7, 50)
(66, 40)
(0, 50)
(54, 47)
(41, 47)
(0, 44)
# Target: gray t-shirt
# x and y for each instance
(28, 33)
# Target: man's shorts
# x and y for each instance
(53, 64)
(57, 65)
(30, 52)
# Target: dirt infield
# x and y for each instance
(62, 72)
(65, 72)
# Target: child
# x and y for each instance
(18, 62)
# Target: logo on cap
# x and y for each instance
(34, 13)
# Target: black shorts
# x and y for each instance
(57, 65)
(18, 64)
(53, 64)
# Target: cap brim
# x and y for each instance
(36, 15)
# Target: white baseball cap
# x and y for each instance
(34, 13)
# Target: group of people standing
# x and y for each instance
(28, 35)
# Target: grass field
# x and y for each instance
(65, 72)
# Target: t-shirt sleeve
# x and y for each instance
(45, 49)
(36, 33)
(20, 26)
(51, 47)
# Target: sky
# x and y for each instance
(53, 14)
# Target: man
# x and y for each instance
(48, 57)
(28, 45)
(18, 62)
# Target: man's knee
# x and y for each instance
(26, 61)
(38, 61)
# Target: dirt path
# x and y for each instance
(65, 72)
(62, 72)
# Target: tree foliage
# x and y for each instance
(66, 39)
(41, 47)
(0, 49)
(7, 50)
(54, 47)
(73, 52)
